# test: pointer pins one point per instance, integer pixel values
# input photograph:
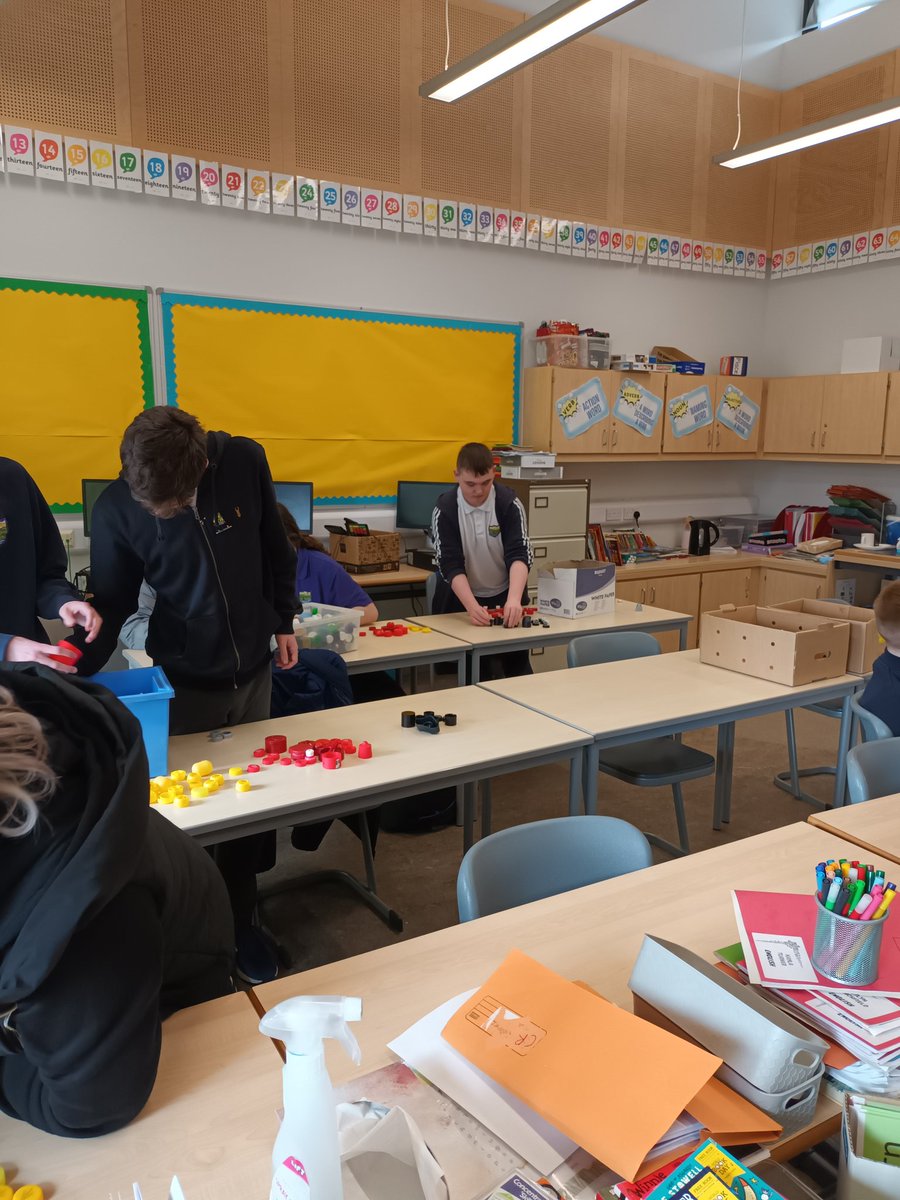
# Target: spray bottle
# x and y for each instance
(306, 1160)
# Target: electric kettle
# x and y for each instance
(703, 535)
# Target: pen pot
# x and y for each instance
(847, 951)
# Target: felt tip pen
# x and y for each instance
(886, 902)
(860, 906)
(869, 911)
(855, 896)
(833, 893)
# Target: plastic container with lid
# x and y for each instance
(328, 627)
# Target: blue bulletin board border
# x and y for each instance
(168, 300)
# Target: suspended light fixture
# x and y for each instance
(556, 25)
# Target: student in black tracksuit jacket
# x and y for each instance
(110, 917)
(482, 552)
(194, 514)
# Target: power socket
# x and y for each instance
(615, 514)
(68, 537)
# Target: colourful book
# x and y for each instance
(641, 1188)
(711, 1173)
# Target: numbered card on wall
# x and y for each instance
(762, 262)
(259, 192)
(629, 244)
(532, 232)
(78, 168)
(233, 184)
(845, 252)
(740, 260)
(392, 211)
(831, 254)
(640, 246)
(429, 216)
(210, 181)
(582, 408)
(19, 145)
(653, 250)
(708, 257)
(673, 254)
(283, 189)
(637, 407)
(789, 266)
(687, 255)
(448, 218)
(2, 151)
(103, 172)
(728, 260)
(517, 229)
(156, 173)
(184, 177)
(579, 240)
(563, 237)
(893, 240)
(690, 412)
(818, 257)
(307, 198)
(718, 259)
(329, 202)
(877, 243)
(468, 223)
(777, 264)
(129, 169)
(804, 259)
(737, 412)
(616, 244)
(501, 226)
(548, 234)
(412, 214)
(48, 158)
(697, 257)
(603, 242)
(591, 236)
(485, 218)
(750, 269)
(350, 204)
(371, 207)
(860, 248)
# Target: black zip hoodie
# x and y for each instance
(223, 572)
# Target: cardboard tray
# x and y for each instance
(864, 644)
(791, 648)
(765, 1046)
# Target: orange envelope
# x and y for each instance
(608, 1080)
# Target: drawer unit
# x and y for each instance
(551, 550)
(555, 508)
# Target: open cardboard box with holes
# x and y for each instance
(788, 647)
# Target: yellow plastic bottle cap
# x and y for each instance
(2, 1175)
(165, 797)
(162, 781)
(182, 802)
(6, 1193)
(211, 787)
(204, 767)
(177, 788)
(235, 770)
(242, 785)
(179, 776)
(217, 779)
(194, 778)
(199, 792)
(30, 1191)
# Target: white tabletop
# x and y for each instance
(491, 735)
(639, 695)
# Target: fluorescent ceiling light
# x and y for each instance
(556, 25)
(829, 130)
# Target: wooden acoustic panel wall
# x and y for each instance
(470, 150)
(739, 203)
(203, 74)
(570, 141)
(64, 66)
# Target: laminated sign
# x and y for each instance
(690, 412)
(578, 410)
(637, 407)
(737, 412)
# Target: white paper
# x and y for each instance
(392, 211)
(128, 169)
(468, 223)
(78, 169)
(786, 957)
(429, 216)
(448, 219)
(548, 234)
(19, 144)
(485, 223)
(501, 226)
(102, 169)
(282, 194)
(350, 204)
(533, 232)
(517, 229)
(412, 214)
(233, 184)
(424, 1049)
(371, 208)
(329, 201)
(384, 1156)
(579, 240)
(156, 173)
(184, 177)
(210, 183)
(259, 192)
(49, 163)
(860, 248)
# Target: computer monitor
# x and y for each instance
(416, 501)
(91, 490)
(297, 498)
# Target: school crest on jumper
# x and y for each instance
(3, 530)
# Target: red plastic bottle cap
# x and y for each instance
(70, 655)
(276, 743)
(401, 631)
(285, 762)
(362, 633)
(269, 759)
(347, 746)
(259, 753)
(309, 753)
(303, 762)
(322, 744)
(331, 761)
(253, 768)
(365, 750)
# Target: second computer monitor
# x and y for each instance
(297, 498)
(416, 501)
(91, 490)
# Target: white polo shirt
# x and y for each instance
(482, 546)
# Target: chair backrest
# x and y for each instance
(873, 728)
(610, 647)
(544, 858)
(430, 585)
(873, 769)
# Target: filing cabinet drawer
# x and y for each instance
(557, 512)
(551, 550)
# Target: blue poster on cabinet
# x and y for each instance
(691, 411)
(737, 412)
(581, 408)
(637, 407)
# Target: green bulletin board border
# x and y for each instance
(99, 292)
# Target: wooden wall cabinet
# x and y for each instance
(728, 587)
(892, 417)
(623, 437)
(853, 412)
(794, 414)
(541, 426)
(678, 593)
(719, 437)
(776, 586)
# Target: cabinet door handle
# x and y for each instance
(824, 434)
(653, 595)
(709, 439)
(818, 590)
(643, 590)
(615, 434)
(604, 440)
(718, 436)
(812, 439)
(746, 587)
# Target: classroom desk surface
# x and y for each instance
(886, 560)
(406, 576)
(593, 934)
(210, 1120)
(487, 639)
(492, 737)
(641, 698)
(874, 826)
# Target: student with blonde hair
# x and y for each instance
(882, 693)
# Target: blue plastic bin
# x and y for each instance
(146, 693)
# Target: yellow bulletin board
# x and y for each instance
(76, 370)
(348, 399)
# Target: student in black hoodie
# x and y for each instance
(194, 513)
(33, 580)
(111, 918)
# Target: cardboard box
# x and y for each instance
(870, 354)
(375, 551)
(864, 644)
(583, 588)
(787, 647)
(733, 364)
(863, 1178)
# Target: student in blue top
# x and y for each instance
(317, 573)
(882, 693)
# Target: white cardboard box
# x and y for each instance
(583, 588)
(862, 1178)
(870, 354)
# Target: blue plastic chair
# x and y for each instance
(873, 769)
(659, 762)
(872, 728)
(545, 858)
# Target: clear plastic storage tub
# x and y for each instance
(327, 627)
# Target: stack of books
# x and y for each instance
(775, 541)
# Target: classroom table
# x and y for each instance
(492, 639)
(874, 826)
(211, 1119)
(405, 584)
(630, 701)
(592, 934)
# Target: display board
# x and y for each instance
(350, 399)
(76, 370)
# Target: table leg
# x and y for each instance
(591, 777)
(470, 797)
(475, 665)
(840, 770)
(576, 771)
(724, 764)
(486, 808)
(461, 671)
(682, 638)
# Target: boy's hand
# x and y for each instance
(79, 612)
(512, 614)
(286, 654)
(19, 649)
(479, 615)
